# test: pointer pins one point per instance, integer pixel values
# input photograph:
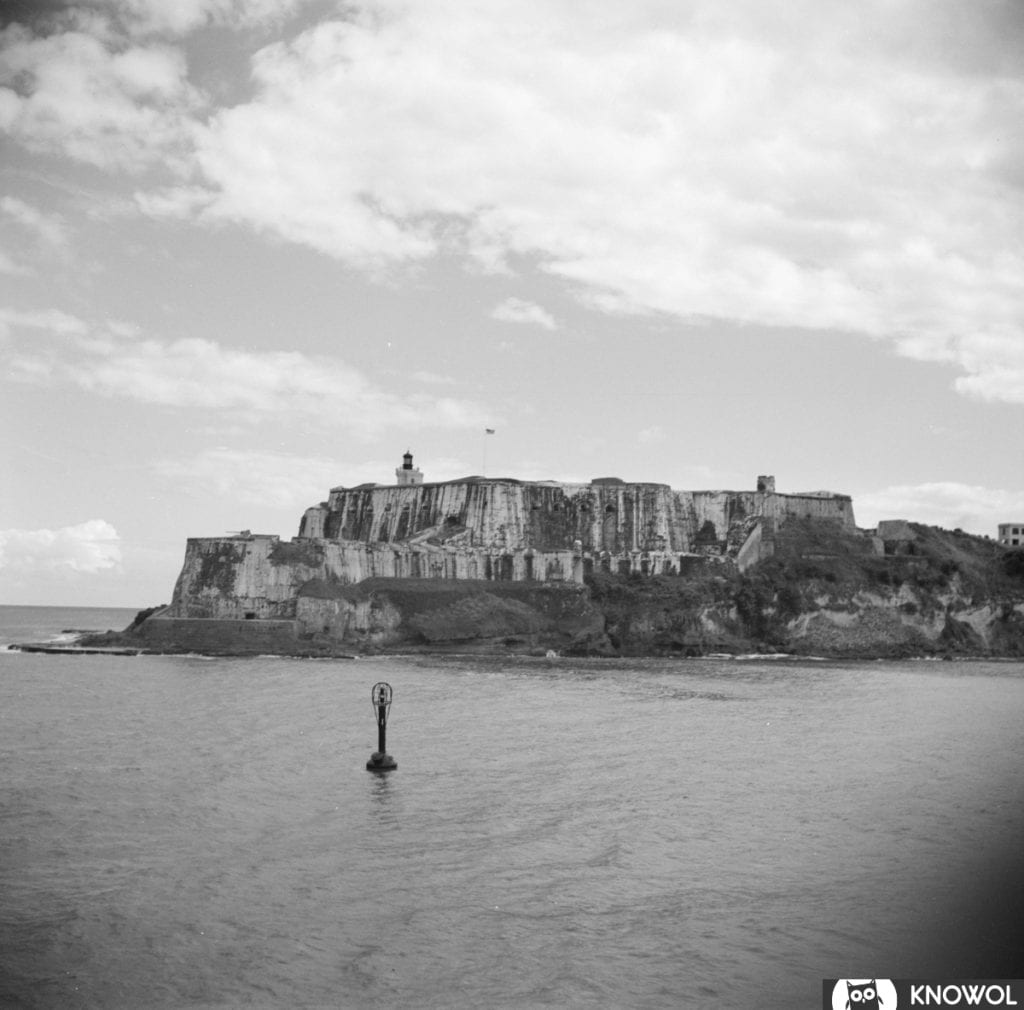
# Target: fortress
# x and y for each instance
(482, 528)
(602, 568)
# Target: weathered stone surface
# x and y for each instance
(549, 517)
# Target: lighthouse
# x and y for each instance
(407, 474)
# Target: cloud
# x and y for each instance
(51, 320)
(184, 16)
(189, 373)
(948, 504)
(91, 546)
(516, 310)
(47, 228)
(704, 161)
(817, 164)
(96, 99)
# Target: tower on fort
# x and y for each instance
(407, 474)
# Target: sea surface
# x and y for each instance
(190, 832)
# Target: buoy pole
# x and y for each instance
(380, 759)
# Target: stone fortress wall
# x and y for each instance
(606, 515)
(485, 529)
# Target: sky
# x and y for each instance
(250, 251)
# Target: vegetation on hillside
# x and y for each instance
(894, 600)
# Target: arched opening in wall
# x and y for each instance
(609, 510)
(452, 521)
(250, 615)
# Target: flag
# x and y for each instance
(488, 431)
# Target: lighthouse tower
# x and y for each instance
(408, 474)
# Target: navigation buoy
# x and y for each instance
(380, 759)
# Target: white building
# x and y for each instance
(1011, 534)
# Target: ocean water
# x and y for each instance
(190, 832)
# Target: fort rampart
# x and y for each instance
(604, 515)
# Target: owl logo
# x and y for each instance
(864, 994)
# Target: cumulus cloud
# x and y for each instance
(948, 504)
(697, 165)
(183, 16)
(88, 547)
(95, 98)
(516, 310)
(815, 164)
(114, 361)
(706, 161)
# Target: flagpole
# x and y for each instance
(487, 431)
